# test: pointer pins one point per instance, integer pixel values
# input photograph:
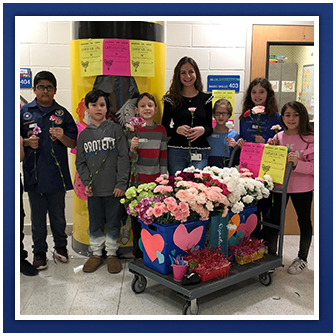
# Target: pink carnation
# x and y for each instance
(258, 109)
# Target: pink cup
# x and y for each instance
(179, 271)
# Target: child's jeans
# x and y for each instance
(54, 205)
(104, 210)
(302, 203)
(179, 159)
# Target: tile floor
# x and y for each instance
(63, 289)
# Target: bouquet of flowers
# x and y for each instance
(173, 199)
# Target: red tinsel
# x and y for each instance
(247, 247)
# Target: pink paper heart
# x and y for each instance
(79, 188)
(248, 227)
(184, 240)
(151, 244)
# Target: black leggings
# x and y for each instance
(302, 203)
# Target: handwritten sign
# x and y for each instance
(116, 57)
(90, 54)
(263, 159)
(142, 58)
(273, 162)
(224, 94)
(250, 157)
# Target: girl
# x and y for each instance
(223, 137)
(298, 136)
(151, 147)
(187, 117)
(257, 128)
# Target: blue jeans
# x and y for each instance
(54, 205)
(179, 159)
(104, 210)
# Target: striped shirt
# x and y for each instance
(152, 153)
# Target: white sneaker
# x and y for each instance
(298, 266)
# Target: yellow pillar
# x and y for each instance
(80, 86)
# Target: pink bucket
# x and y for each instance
(179, 271)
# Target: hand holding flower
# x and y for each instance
(183, 130)
(259, 139)
(88, 191)
(273, 142)
(240, 142)
(134, 144)
(231, 142)
(33, 141)
(195, 133)
(56, 132)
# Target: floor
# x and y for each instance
(63, 289)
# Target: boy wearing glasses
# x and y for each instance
(48, 129)
(223, 136)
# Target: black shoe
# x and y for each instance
(27, 268)
(40, 261)
(61, 253)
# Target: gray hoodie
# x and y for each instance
(103, 149)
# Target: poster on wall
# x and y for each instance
(90, 54)
(288, 86)
(275, 85)
(116, 57)
(142, 58)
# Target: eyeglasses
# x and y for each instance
(42, 88)
(218, 114)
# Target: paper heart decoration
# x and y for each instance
(140, 245)
(184, 240)
(248, 227)
(234, 240)
(79, 188)
(173, 252)
(161, 257)
(234, 220)
(151, 244)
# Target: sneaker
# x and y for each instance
(113, 264)
(40, 261)
(61, 254)
(125, 236)
(26, 268)
(298, 265)
(92, 264)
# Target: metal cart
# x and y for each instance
(263, 269)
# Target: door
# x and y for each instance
(261, 35)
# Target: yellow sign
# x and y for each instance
(142, 58)
(224, 94)
(273, 162)
(90, 57)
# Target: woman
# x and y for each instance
(187, 117)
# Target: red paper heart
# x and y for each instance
(248, 227)
(151, 244)
(184, 240)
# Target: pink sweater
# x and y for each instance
(302, 176)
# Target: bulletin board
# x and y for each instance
(307, 92)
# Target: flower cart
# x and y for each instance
(234, 273)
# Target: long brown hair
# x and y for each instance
(271, 105)
(175, 90)
(304, 125)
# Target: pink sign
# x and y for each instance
(250, 157)
(116, 57)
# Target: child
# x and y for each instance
(103, 166)
(187, 118)
(151, 148)
(26, 267)
(222, 137)
(45, 166)
(298, 136)
(259, 93)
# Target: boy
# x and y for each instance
(151, 147)
(45, 166)
(103, 166)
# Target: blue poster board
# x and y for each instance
(223, 83)
(25, 78)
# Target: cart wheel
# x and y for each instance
(139, 284)
(188, 311)
(265, 279)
